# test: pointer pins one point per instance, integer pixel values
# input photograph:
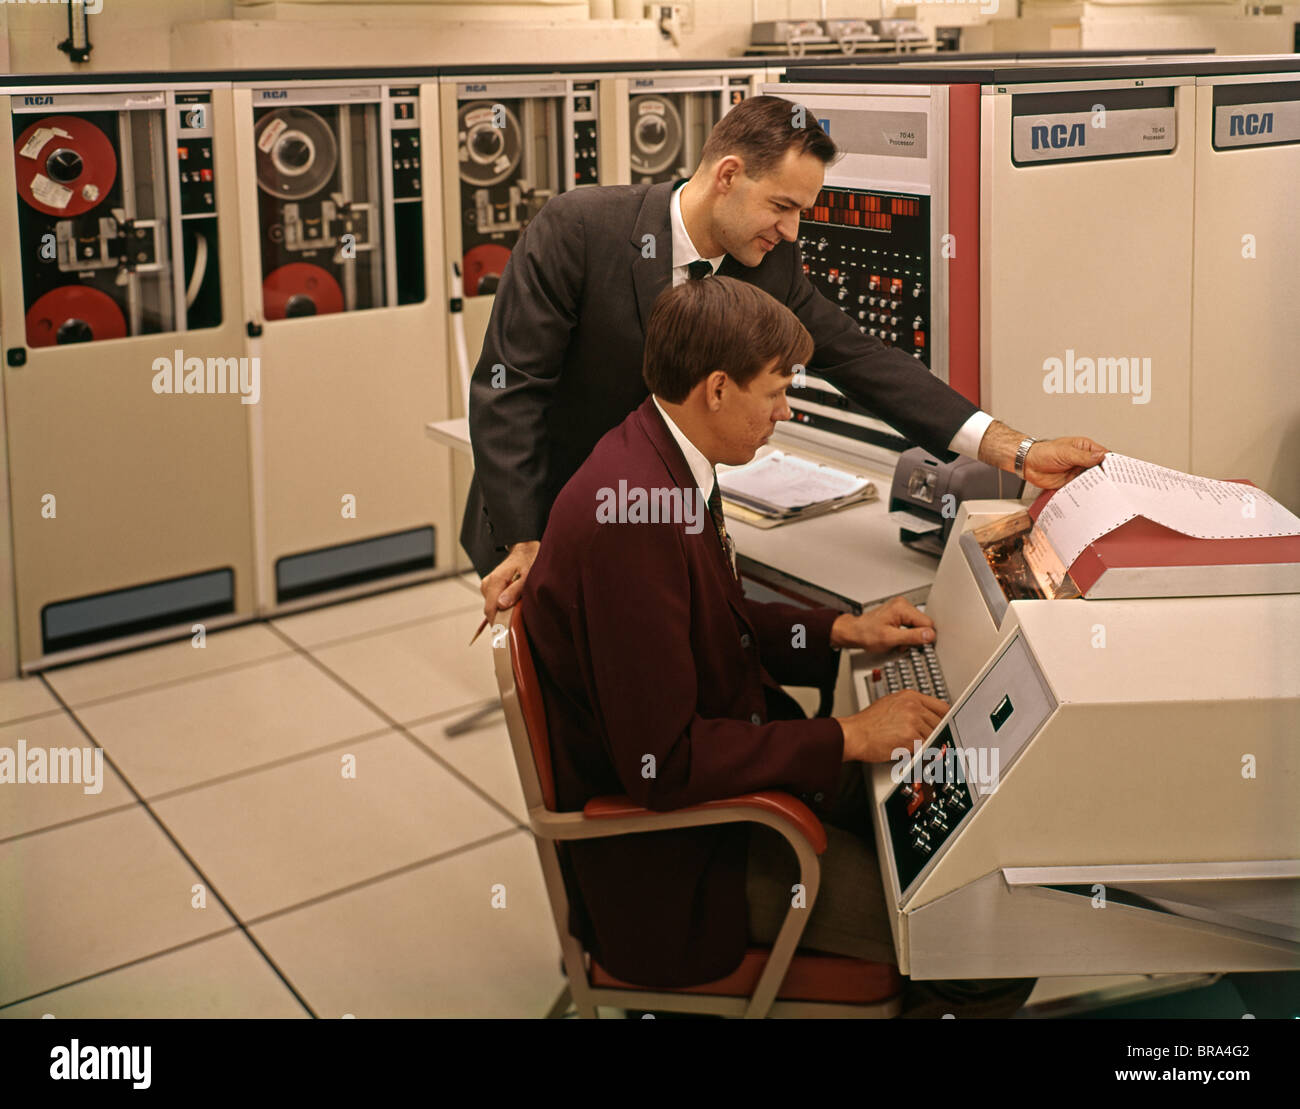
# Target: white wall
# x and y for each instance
(1146, 26)
(450, 10)
(161, 35)
(157, 35)
(126, 34)
(721, 27)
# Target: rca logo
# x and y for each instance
(275, 94)
(1056, 136)
(1251, 124)
(38, 100)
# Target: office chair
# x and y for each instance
(773, 981)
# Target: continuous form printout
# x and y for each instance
(1112, 493)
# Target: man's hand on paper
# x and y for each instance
(896, 623)
(1052, 463)
(1124, 487)
(503, 586)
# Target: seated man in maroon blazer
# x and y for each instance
(662, 681)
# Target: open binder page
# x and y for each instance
(1112, 493)
(783, 483)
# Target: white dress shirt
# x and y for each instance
(684, 252)
(701, 468)
(969, 435)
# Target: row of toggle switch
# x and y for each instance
(406, 164)
(939, 816)
(585, 170)
(195, 159)
(885, 306)
(875, 281)
(868, 252)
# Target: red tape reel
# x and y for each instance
(74, 314)
(484, 262)
(64, 174)
(300, 289)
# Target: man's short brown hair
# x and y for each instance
(760, 129)
(718, 323)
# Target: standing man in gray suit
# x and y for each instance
(561, 361)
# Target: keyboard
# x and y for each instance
(918, 669)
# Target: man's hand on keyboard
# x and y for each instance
(896, 623)
(893, 722)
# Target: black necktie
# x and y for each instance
(720, 525)
(697, 269)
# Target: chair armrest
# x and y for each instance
(603, 817)
(774, 802)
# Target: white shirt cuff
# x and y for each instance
(971, 434)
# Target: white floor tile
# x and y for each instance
(27, 806)
(418, 671)
(282, 836)
(428, 943)
(23, 697)
(91, 896)
(137, 670)
(484, 756)
(195, 731)
(370, 614)
(224, 977)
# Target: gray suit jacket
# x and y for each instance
(567, 332)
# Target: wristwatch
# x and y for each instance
(1022, 453)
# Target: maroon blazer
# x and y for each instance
(646, 646)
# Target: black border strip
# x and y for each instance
(1153, 69)
(419, 73)
(1233, 95)
(1115, 100)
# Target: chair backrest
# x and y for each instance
(521, 699)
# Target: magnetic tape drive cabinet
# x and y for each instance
(668, 116)
(340, 219)
(509, 144)
(126, 397)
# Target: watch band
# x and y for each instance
(1022, 453)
